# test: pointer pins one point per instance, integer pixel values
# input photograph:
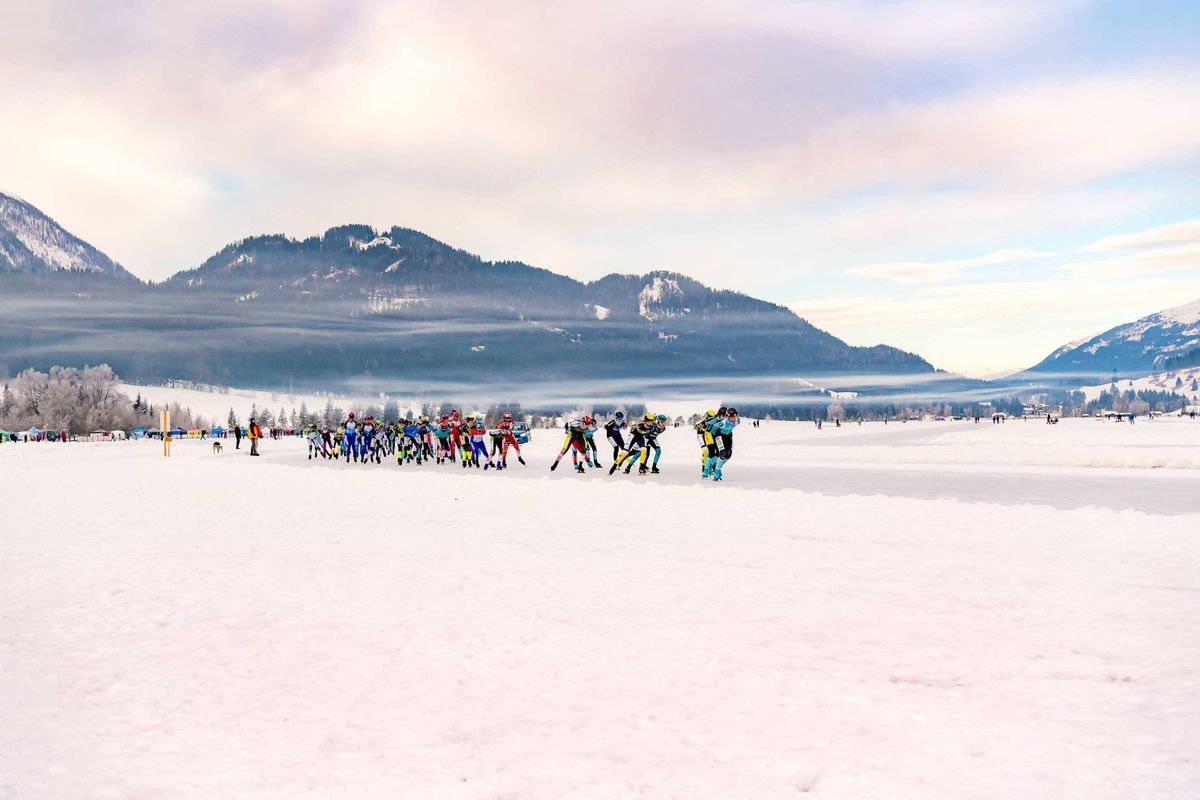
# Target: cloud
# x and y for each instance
(563, 121)
(1181, 258)
(1158, 236)
(937, 271)
(1005, 302)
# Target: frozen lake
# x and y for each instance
(925, 610)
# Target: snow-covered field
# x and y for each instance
(928, 610)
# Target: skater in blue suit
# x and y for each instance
(351, 436)
(722, 432)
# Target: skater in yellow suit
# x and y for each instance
(638, 433)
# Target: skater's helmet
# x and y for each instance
(710, 413)
(350, 415)
(722, 411)
(575, 423)
(731, 412)
(619, 415)
(649, 417)
(424, 418)
(587, 420)
(661, 418)
(508, 416)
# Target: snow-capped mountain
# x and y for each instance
(357, 304)
(32, 242)
(1142, 346)
(525, 319)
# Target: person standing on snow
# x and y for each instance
(255, 433)
(237, 436)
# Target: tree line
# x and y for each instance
(79, 400)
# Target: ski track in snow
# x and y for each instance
(221, 626)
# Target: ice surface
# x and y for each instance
(220, 626)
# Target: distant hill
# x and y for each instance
(356, 307)
(31, 242)
(1159, 341)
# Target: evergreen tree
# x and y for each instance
(231, 421)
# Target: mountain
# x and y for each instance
(1139, 347)
(384, 285)
(356, 307)
(31, 242)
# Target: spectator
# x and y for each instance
(237, 437)
(255, 433)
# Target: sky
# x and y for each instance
(977, 182)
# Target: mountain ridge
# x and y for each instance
(1143, 345)
(31, 241)
(360, 304)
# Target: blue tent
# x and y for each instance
(34, 432)
(218, 431)
(177, 432)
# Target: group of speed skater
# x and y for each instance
(471, 442)
(452, 437)
(714, 433)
